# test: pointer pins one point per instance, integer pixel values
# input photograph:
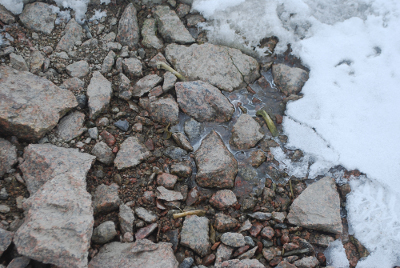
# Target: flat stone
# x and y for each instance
(290, 80)
(104, 233)
(279, 217)
(307, 262)
(42, 162)
(223, 199)
(131, 153)
(168, 195)
(108, 62)
(93, 133)
(217, 167)
(140, 254)
(8, 156)
(194, 234)
(224, 253)
(6, 16)
(122, 125)
(171, 27)
(223, 223)
(103, 153)
(203, 102)
(186, 263)
(73, 33)
(261, 216)
(223, 67)
(73, 83)
(58, 223)
(182, 141)
(248, 254)
(169, 81)
(110, 37)
(78, 69)
(192, 129)
(150, 39)
(126, 219)
(99, 92)
(175, 152)
(19, 262)
(36, 61)
(106, 199)
(146, 215)
(145, 84)
(246, 226)
(235, 240)
(318, 207)
(38, 17)
(30, 105)
(146, 231)
(128, 28)
(246, 133)
(167, 180)
(257, 157)
(18, 62)
(71, 126)
(4, 209)
(132, 67)
(5, 240)
(115, 46)
(162, 110)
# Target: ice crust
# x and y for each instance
(336, 255)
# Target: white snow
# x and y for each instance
(336, 255)
(349, 112)
(14, 6)
(98, 14)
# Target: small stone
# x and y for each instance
(162, 110)
(108, 62)
(246, 133)
(103, 153)
(175, 152)
(267, 232)
(249, 254)
(106, 198)
(290, 80)
(131, 153)
(186, 263)
(223, 199)
(167, 180)
(145, 84)
(8, 157)
(223, 223)
(235, 240)
(261, 216)
(93, 133)
(144, 214)
(279, 216)
(5, 240)
(71, 126)
(145, 231)
(181, 170)
(4, 209)
(132, 67)
(3, 194)
(249, 241)
(150, 38)
(182, 141)
(195, 234)
(223, 253)
(256, 229)
(257, 158)
(108, 137)
(192, 129)
(104, 233)
(245, 227)
(99, 92)
(128, 28)
(307, 262)
(122, 125)
(18, 62)
(73, 33)
(74, 84)
(169, 81)
(19, 262)
(168, 195)
(78, 69)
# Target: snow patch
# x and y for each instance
(14, 6)
(336, 255)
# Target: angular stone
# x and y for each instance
(261, 216)
(146, 231)
(18, 62)
(246, 133)
(108, 62)
(168, 195)
(187, 263)
(318, 207)
(170, 26)
(279, 216)
(193, 20)
(146, 215)
(223, 67)
(38, 17)
(290, 80)
(192, 129)
(169, 81)
(73, 83)
(8, 156)
(223, 199)
(141, 254)
(167, 180)
(181, 170)
(73, 33)
(182, 141)
(104, 233)
(5, 240)
(150, 38)
(42, 162)
(6, 16)
(131, 153)
(248, 254)
(126, 218)
(36, 61)
(307, 262)
(224, 253)
(267, 232)
(19, 262)
(162, 110)
(203, 102)
(58, 224)
(175, 152)
(195, 234)
(224, 222)
(106, 198)
(71, 126)
(78, 69)
(99, 92)
(103, 153)
(233, 240)
(128, 28)
(285, 264)
(145, 84)
(257, 158)
(30, 106)
(217, 167)
(132, 67)
(122, 125)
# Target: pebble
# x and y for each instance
(4, 209)
(187, 263)
(122, 125)
(3, 194)
(233, 239)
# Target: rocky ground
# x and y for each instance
(107, 159)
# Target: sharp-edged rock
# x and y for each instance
(78, 69)
(42, 162)
(126, 218)
(246, 263)
(217, 167)
(128, 28)
(235, 240)
(224, 222)
(105, 198)
(99, 92)
(38, 17)
(246, 133)
(132, 67)
(108, 62)
(318, 207)
(195, 234)
(131, 153)
(290, 80)
(103, 153)
(223, 199)
(162, 110)
(18, 62)
(141, 254)
(223, 67)
(168, 195)
(71, 126)
(6, 16)
(8, 156)
(146, 215)
(30, 105)
(150, 39)
(182, 141)
(6, 238)
(73, 33)
(145, 84)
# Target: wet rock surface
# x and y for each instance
(290, 80)
(246, 133)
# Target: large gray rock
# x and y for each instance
(246, 133)
(42, 162)
(71, 126)
(171, 27)
(223, 67)
(58, 224)
(104, 233)
(38, 17)
(195, 234)
(150, 38)
(145, 84)
(290, 80)
(73, 33)
(162, 110)
(99, 92)
(318, 207)
(141, 254)
(216, 166)
(30, 105)
(8, 156)
(203, 101)
(128, 28)
(131, 153)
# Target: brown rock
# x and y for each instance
(267, 232)
(223, 223)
